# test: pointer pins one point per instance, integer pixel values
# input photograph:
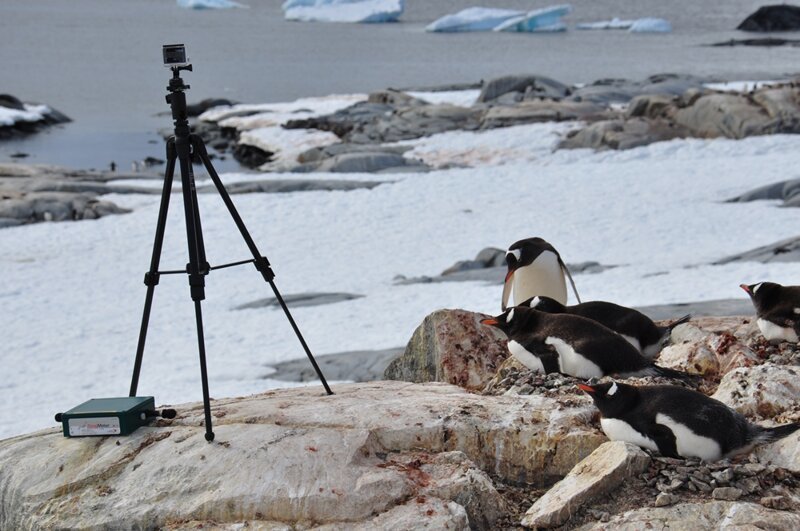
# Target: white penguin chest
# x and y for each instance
(543, 276)
(619, 430)
(573, 363)
(772, 331)
(688, 443)
(528, 359)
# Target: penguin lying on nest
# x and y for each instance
(633, 325)
(572, 345)
(535, 268)
(677, 422)
(777, 309)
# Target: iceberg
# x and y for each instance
(356, 11)
(614, 23)
(651, 25)
(209, 4)
(473, 19)
(539, 20)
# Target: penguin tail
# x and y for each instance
(768, 435)
(655, 370)
(679, 321)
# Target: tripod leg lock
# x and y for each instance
(151, 278)
(262, 264)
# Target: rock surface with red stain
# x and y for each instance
(451, 346)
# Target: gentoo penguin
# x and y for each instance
(676, 421)
(777, 309)
(582, 348)
(535, 268)
(633, 325)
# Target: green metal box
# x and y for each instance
(100, 417)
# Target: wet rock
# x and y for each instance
(600, 473)
(772, 18)
(787, 250)
(525, 86)
(451, 346)
(251, 156)
(355, 366)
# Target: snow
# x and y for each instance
(354, 11)
(72, 293)
(543, 20)
(209, 4)
(32, 113)
(650, 25)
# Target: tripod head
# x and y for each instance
(176, 83)
(177, 101)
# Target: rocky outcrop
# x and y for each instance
(451, 346)
(783, 190)
(26, 118)
(787, 250)
(353, 366)
(362, 457)
(772, 18)
(597, 475)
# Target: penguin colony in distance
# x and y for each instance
(677, 422)
(638, 329)
(777, 310)
(582, 348)
(535, 268)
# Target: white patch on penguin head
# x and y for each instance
(796, 310)
(516, 253)
(613, 389)
(535, 302)
(756, 286)
(510, 315)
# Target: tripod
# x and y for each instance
(181, 147)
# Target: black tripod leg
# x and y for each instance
(151, 277)
(203, 372)
(261, 262)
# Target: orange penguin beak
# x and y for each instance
(746, 288)
(491, 321)
(586, 388)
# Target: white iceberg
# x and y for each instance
(355, 11)
(473, 19)
(651, 25)
(539, 20)
(209, 4)
(614, 23)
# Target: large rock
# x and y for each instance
(600, 473)
(451, 346)
(415, 122)
(764, 391)
(621, 134)
(787, 250)
(540, 111)
(523, 86)
(710, 515)
(300, 458)
(781, 17)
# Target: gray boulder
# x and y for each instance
(621, 134)
(782, 251)
(523, 87)
(607, 91)
(415, 122)
(783, 190)
(540, 111)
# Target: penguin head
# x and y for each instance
(611, 398)
(544, 304)
(524, 252)
(763, 294)
(513, 319)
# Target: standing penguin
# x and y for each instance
(535, 268)
(677, 422)
(777, 309)
(633, 325)
(572, 345)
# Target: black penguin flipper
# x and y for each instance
(664, 439)
(655, 370)
(569, 276)
(768, 435)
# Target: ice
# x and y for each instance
(543, 20)
(355, 11)
(473, 19)
(209, 4)
(32, 113)
(614, 23)
(651, 25)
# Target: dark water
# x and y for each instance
(99, 61)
